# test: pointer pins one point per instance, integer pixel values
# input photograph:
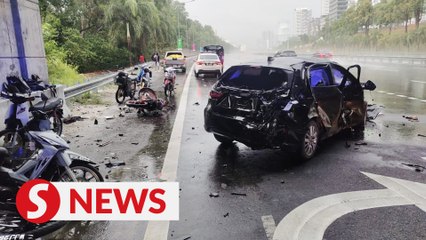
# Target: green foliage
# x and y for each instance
(91, 35)
(89, 98)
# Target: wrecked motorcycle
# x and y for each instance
(169, 81)
(147, 103)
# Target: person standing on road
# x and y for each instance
(142, 58)
(156, 59)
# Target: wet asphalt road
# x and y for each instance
(271, 182)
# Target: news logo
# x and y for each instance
(40, 201)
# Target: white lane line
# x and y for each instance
(390, 93)
(424, 158)
(416, 81)
(402, 96)
(424, 100)
(413, 98)
(269, 226)
(311, 219)
(159, 230)
(380, 91)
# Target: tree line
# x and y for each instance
(90, 35)
(388, 25)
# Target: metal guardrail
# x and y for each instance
(386, 59)
(94, 83)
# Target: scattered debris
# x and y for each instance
(96, 121)
(197, 103)
(417, 168)
(239, 194)
(282, 181)
(214, 195)
(356, 148)
(106, 177)
(73, 119)
(373, 111)
(193, 128)
(78, 136)
(109, 117)
(68, 141)
(135, 143)
(421, 135)
(98, 140)
(127, 110)
(193, 176)
(380, 135)
(121, 115)
(115, 164)
(120, 135)
(411, 118)
(226, 215)
(104, 144)
(361, 144)
(113, 155)
(223, 185)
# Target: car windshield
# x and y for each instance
(256, 78)
(209, 57)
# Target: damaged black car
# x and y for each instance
(289, 104)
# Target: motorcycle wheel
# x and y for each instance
(57, 124)
(17, 151)
(168, 90)
(133, 90)
(120, 95)
(84, 172)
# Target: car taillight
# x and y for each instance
(200, 62)
(215, 94)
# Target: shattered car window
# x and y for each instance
(255, 78)
(319, 77)
(338, 76)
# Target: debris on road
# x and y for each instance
(214, 195)
(197, 104)
(115, 164)
(417, 168)
(361, 144)
(96, 121)
(121, 115)
(421, 135)
(239, 194)
(104, 144)
(109, 117)
(282, 181)
(135, 143)
(223, 185)
(120, 135)
(411, 118)
(373, 111)
(73, 119)
(226, 215)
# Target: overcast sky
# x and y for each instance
(243, 21)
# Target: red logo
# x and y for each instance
(38, 201)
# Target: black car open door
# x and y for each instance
(328, 97)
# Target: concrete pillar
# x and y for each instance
(21, 40)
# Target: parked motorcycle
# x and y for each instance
(18, 114)
(126, 86)
(169, 81)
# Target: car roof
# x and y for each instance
(287, 62)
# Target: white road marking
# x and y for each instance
(269, 226)
(402, 96)
(390, 93)
(311, 219)
(416, 81)
(413, 98)
(424, 100)
(159, 230)
(381, 91)
(424, 158)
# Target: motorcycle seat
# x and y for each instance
(50, 104)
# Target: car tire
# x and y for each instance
(222, 139)
(184, 70)
(196, 74)
(310, 140)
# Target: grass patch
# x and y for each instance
(89, 98)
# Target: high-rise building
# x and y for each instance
(283, 32)
(337, 8)
(325, 7)
(302, 19)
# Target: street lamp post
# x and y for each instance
(179, 39)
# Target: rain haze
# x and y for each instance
(244, 21)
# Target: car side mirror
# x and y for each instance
(369, 85)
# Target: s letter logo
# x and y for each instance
(38, 201)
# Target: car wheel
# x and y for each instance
(196, 74)
(223, 140)
(310, 141)
(184, 70)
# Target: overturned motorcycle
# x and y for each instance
(148, 103)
